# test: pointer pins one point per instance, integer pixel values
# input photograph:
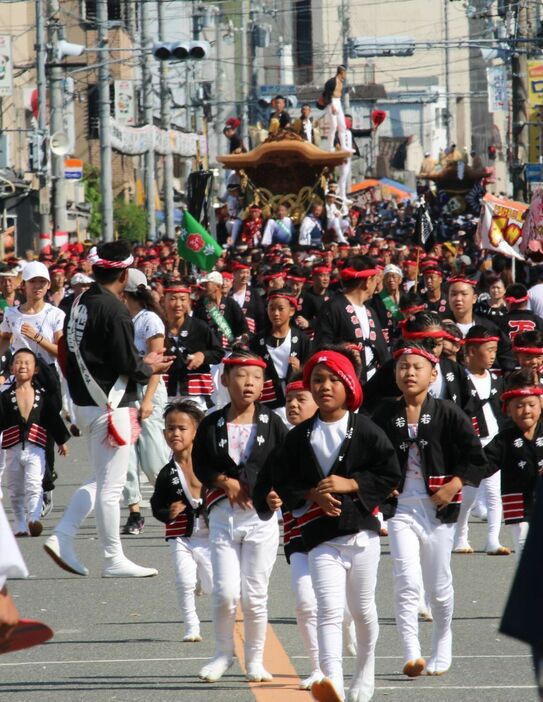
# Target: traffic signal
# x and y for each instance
(491, 152)
(37, 152)
(181, 50)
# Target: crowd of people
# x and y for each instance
(348, 390)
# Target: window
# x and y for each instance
(114, 10)
(93, 110)
(303, 41)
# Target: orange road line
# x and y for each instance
(276, 661)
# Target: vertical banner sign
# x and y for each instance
(124, 102)
(535, 107)
(498, 97)
(6, 66)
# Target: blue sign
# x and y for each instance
(534, 172)
(266, 90)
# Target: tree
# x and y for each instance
(130, 221)
(91, 178)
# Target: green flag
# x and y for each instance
(196, 245)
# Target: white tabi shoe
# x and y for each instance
(121, 567)
(257, 673)
(307, 683)
(61, 549)
(215, 669)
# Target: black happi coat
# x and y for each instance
(253, 310)
(273, 394)
(520, 461)
(210, 457)
(232, 313)
(504, 358)
(194, 336)
(312, 303)
(517, 321)
(338, 323)
(524, 609)
(168, 489)
(366, 455)
(474, 406)
(383, 384)
(105, 335)
(447, 444)
(44, 420)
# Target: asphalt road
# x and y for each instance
(121, 639)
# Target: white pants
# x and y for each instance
(336, 122)
(150, 452)
(338, 226)
(344, 182)
(491, 487)
(306, 605)
(2, 466)
(12, 564)
(104, 488)
(243, 552)
(519, 532)
(219, 396)
(344, 571)
(25, 468)
(191, 559)
(418, 539)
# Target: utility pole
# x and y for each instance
(165, 120)
(346, 33)
(106, 177)
(219, 75)
(56, 120)
(147, 78)
(245, 10)
(41, 57)
(447, 72)
(521, 129)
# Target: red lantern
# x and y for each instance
(378, 117)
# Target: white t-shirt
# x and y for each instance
(414, 485)
(47, 322)
(327, 439)
(146, 325)
(362, 314)
(239, 297)
(483, 386)
(437, 388)
(464, 328)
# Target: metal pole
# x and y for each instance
(41, 56)
(219, 74)
(165, 120)
(106, 176)
(521, 133)
(56, 121)
(147, 78)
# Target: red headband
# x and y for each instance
(481, 340)
(532, 350)
(343, 368)
(519, 392)
(238, 266)
(454, 339)
(296, 386)
(258, 362)
(296, 278)
(416, 352)
(284, 296)
(228, 275)
(351, 274)
(95, 260)
(461, 279)
(273, 276)
(423, 334)
(516, 300)
(321, 269)
(413, 310)
(434, 271)
(177, 290)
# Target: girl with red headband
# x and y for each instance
(284, 348)
(438, 454)
(333, 471)
(230, 449)
(517, 452)
(484, 408)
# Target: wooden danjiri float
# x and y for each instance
(284, 169)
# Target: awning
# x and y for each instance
(389, 188)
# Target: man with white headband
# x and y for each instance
(102, 367)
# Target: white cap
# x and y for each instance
(391, 268)
(212, 277)
(135, 279)
(81, 279)
(36, 269)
